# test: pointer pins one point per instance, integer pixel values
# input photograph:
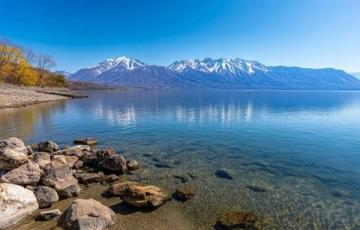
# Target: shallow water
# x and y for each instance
(294, 156)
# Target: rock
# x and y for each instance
(29, 150)
(87, 178)
(102, 153)
(235, 220)
(78, 164)
(77, 150)
(90, 159)
(114, 163)
(42, 159)
(13, 153)
(16, 203)
(181, 178)
(46, 196)
(67, 160)
(224, 174)
(87, 215)
(132, 165)
(86, 141)
(48, 146)
(139, 195)
(68, 188)
(256, 188)
(48, 215)
(26, 174)
(60, 177)
(184, 193)
(111, 178)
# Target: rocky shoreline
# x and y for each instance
(35, 178)
(12, 96)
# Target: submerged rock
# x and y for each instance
(86, 141)
(16, 203)
(114, 163)
(87, 178)
(46, 196)
(184, 193)
(48, 146)
(256, 188)
(26, 174)
(139, 195)
(224, 174)
(111, 178)
(48, 215)
(87, 215)
(237, 220)
(132, 165)
(13, 153)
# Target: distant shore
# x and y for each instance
(12, 96)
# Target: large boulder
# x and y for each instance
(16, 202)
(26, 174)
(46, 196)
(139, 195)
(42, 159)
(113, 163)
(60, 177)
(13, 153)
(48, 146)
(77, 150)
(87, 215)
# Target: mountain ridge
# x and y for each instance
(220, 73)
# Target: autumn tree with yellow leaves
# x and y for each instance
(16, 67)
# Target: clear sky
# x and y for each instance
(80, 33)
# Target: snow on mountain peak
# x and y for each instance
(119, 63)
(220, 65)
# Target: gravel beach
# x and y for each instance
(18, 96)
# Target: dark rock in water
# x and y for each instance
(48, 215)
(184, 193)
(111, 178)
(147, 155)
(90, 159)
(86, 141)
(224, 174)
(48, 146)
(256, 188)
(46, 196)
(163, 164)
(182, 178)
(132, 165)
(87, 214)
(114, 163)
(237, 220)
(87, 178)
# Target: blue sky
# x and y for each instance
(80, 33)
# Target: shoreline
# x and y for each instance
(12, 96)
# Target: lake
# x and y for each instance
(294, 156)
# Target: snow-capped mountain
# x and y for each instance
(221, 73)
(221, 65)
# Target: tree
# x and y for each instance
(44, 63)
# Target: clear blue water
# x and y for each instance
(300, 148)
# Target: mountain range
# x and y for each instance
(221, 73)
